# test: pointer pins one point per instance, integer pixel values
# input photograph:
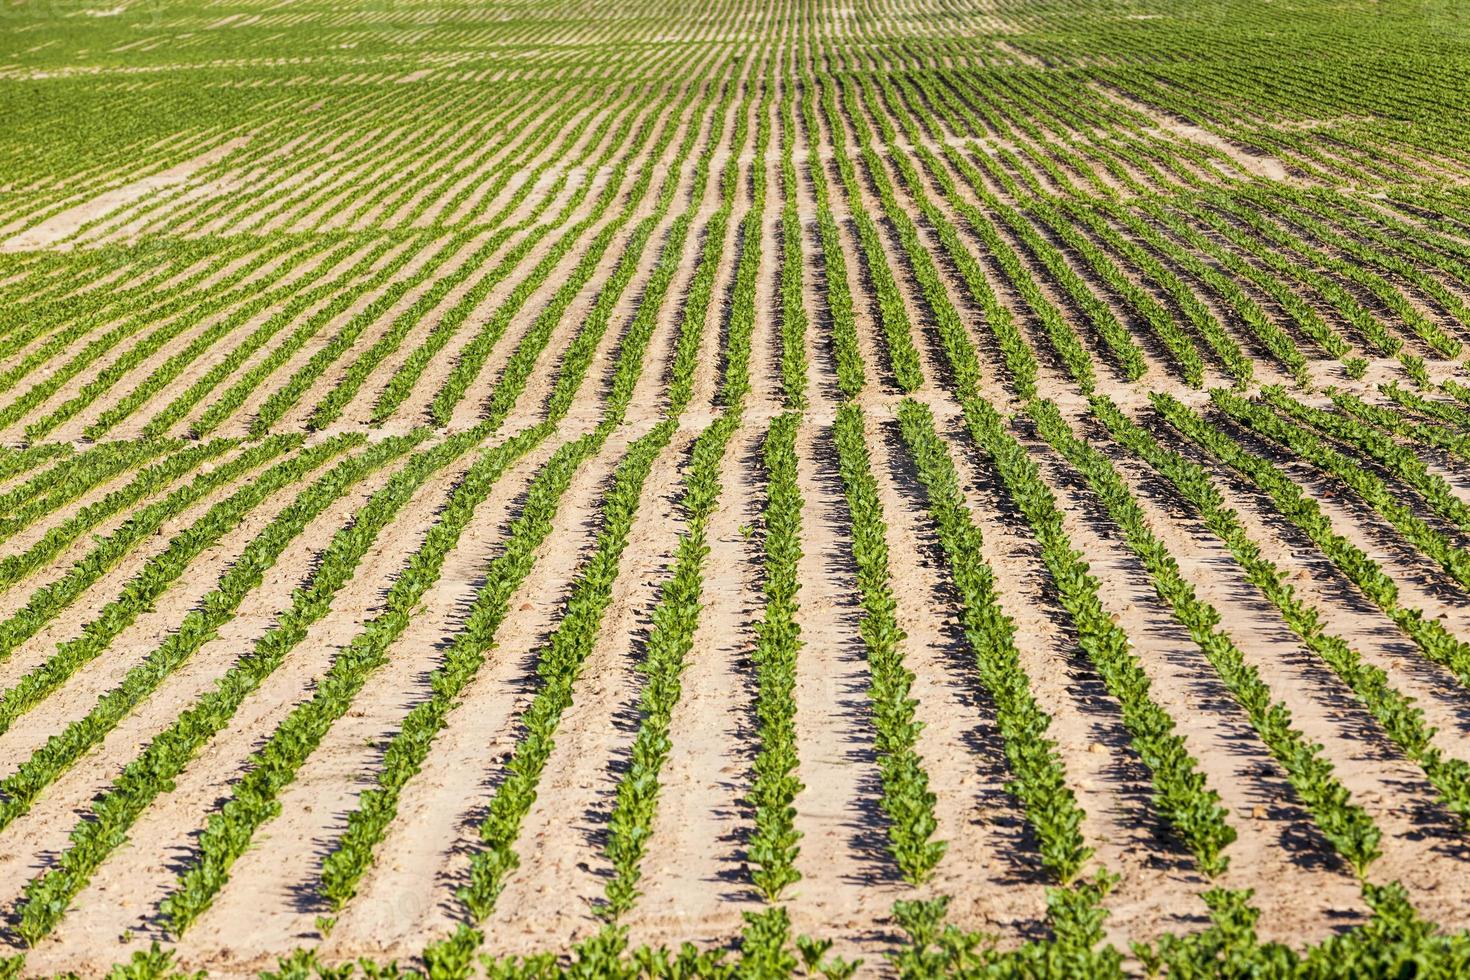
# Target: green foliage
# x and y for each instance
(774, 844)
(1039, 779)
(253, 799)
(907, 801)
(1347, 825)
(1180, 792)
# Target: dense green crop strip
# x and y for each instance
(156, 576)
(1382, 256)
(149, 481)
(330, 408)
(439, 252)
(1307, 319)
(1437, 643)
(294, 292)
(631, 352)
(73, 301)
(224, 406)
(152, 771)
(1371, 283)
(1456, 417)
(577, 356)
(1461, 394)
(16, 462)
(1077, 360)
(346, 863)
(199, 627)
(227, 290)
(1020, 360)
(962, 359)
(674, 620)
(254, 298)
(700, 294)
(1397, 460)
(1288, 269)
(1039, 780)
(559, 662)
(302, 301)
(634, 345)
(903, 356)
(1194, 311)
(846, 357)
(472, 356)
(1367, 485)
(406, 752)
(1112, 333)
(71, 478)
(1395, 712)
(740, 325)
(1402, 423)
(774, 843)
(794, 319)
(1271, 337)
(127, 323)
(1159, 320)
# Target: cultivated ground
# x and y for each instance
(517, 488)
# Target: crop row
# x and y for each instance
(152, 772)
(774, 843)
(1350, 829)
(793, 309)
(406, 377)
(1019, 358)
(253, 799)
(907, 801)
(472, 356)
(47, 601)
(670, 639)
(893, 317)
(1039, 778)
(1358, 478)
(1180, 790)
(1394, 711)
(200, 626)
(71, 479)
(1306, 513)
(156, 576)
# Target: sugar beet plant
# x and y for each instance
(907, 801)
(1350, 829)
(151, 773)
(253, 799)
(1039, 778)
(1395, 712)
(1180, 791)
(775, 841)
(1291, 502)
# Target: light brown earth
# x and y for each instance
(395, 157)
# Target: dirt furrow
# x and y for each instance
(695, 880)
(271, 902)
(122, 899)
(562, 837)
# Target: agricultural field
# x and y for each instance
(757, 488)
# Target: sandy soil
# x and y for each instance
(334, 153)
(63, 225)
